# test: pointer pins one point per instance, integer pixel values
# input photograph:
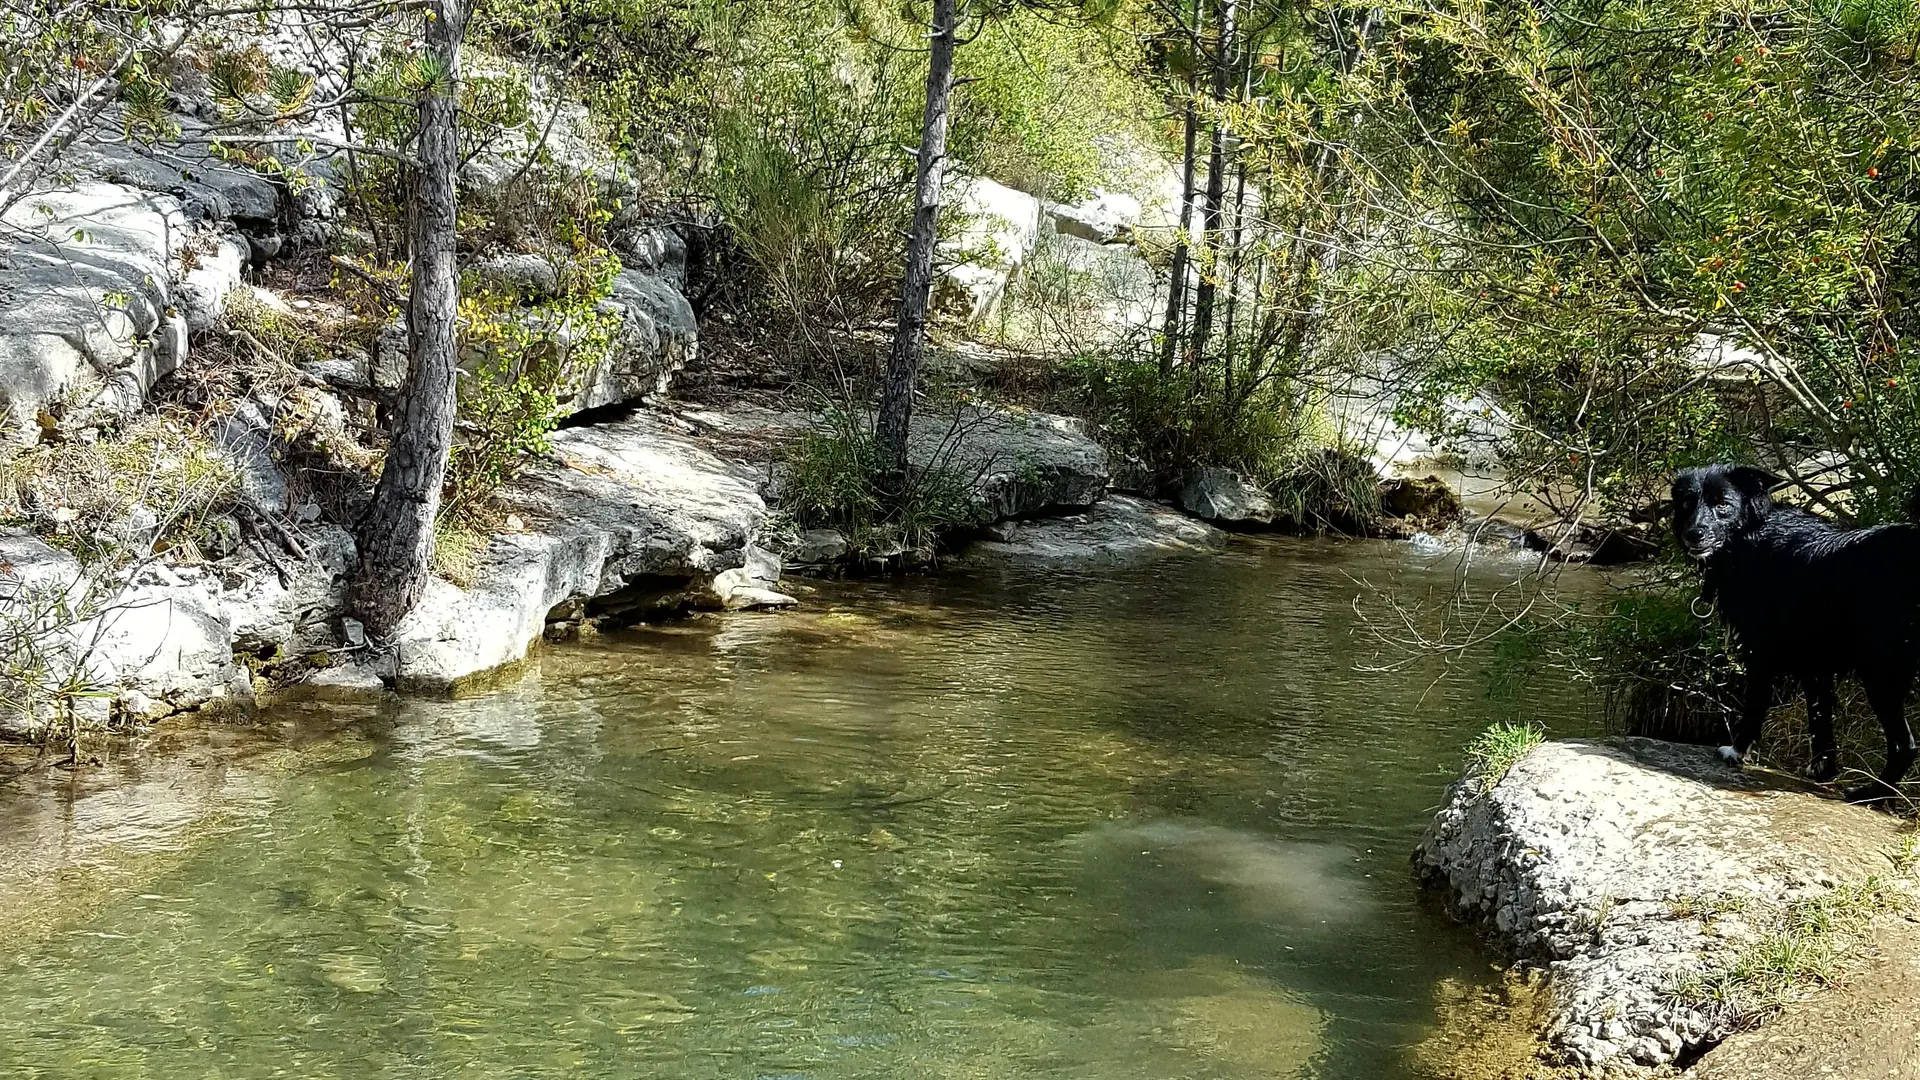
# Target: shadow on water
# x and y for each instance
(1142, 824)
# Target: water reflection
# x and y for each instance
(1149, 824)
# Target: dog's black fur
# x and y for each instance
(1807, 599)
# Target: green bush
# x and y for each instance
(835, 480)
(1177, 420)
(520, 359)
(1662, 665)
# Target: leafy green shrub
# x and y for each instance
(520, 359)
(1662, 665)
(835, 480)
(1177, 420)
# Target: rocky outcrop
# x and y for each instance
(1226, 498)
(1104, 217)
(1639, 875)
(1119, 530)
(999, 229)
(87, 306)
(1013, 464)
(624, 519)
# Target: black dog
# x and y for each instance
(1807, 599)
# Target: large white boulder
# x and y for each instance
(86, 299)
(1000, 228)
(1636, 874)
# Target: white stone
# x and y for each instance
(1118, 530)
(1000, 228)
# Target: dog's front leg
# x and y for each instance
(1753, 713)
(1820, 705)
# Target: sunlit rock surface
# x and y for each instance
(1634, 872)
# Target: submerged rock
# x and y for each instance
(1634, 872)
(1117, 530)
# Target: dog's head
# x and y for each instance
(1713, 503)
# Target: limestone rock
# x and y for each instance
(85, 291)
(1001, 227)
(533, 275)
(1104, 217)
(1622, 868)
(750, 586)
(658, 251)
(1226, 498)
(1118, 530)
(1012, 464)
(214, 265)
(623, 516)
(659, 335)
(814, 547)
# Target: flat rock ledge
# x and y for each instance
(1119, 530)
(1634, 872)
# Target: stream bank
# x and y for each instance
(1686, 915)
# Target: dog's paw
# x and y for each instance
(1874, 794)
(1823, 769)
(1731, 756)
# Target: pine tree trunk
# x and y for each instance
(1172, 328)
(1204, 291)
(396, 535)
(916, 289)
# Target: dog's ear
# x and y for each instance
(1753, 482)
(1753, 485)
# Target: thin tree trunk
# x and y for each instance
(916, 289)
(1235, 259)
(1172, 328)
(1216, 190)
(396, 535)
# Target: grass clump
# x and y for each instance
(1803, 950)
(835, 480)
(154, 484)
(1491, 755)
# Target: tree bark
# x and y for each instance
(1172, 328)
(396, 535)
(916, 288)
(1204, 291)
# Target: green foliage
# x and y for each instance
(1662, 664)
(1189, 417)
(1586, 190)
(835, 480)
(1048, 101)
(1805, 947)
(519, 360)
(1495, 751)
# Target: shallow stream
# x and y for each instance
(1145, 824)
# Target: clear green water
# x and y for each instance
(1148, 824)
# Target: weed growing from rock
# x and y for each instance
(1497, 750)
